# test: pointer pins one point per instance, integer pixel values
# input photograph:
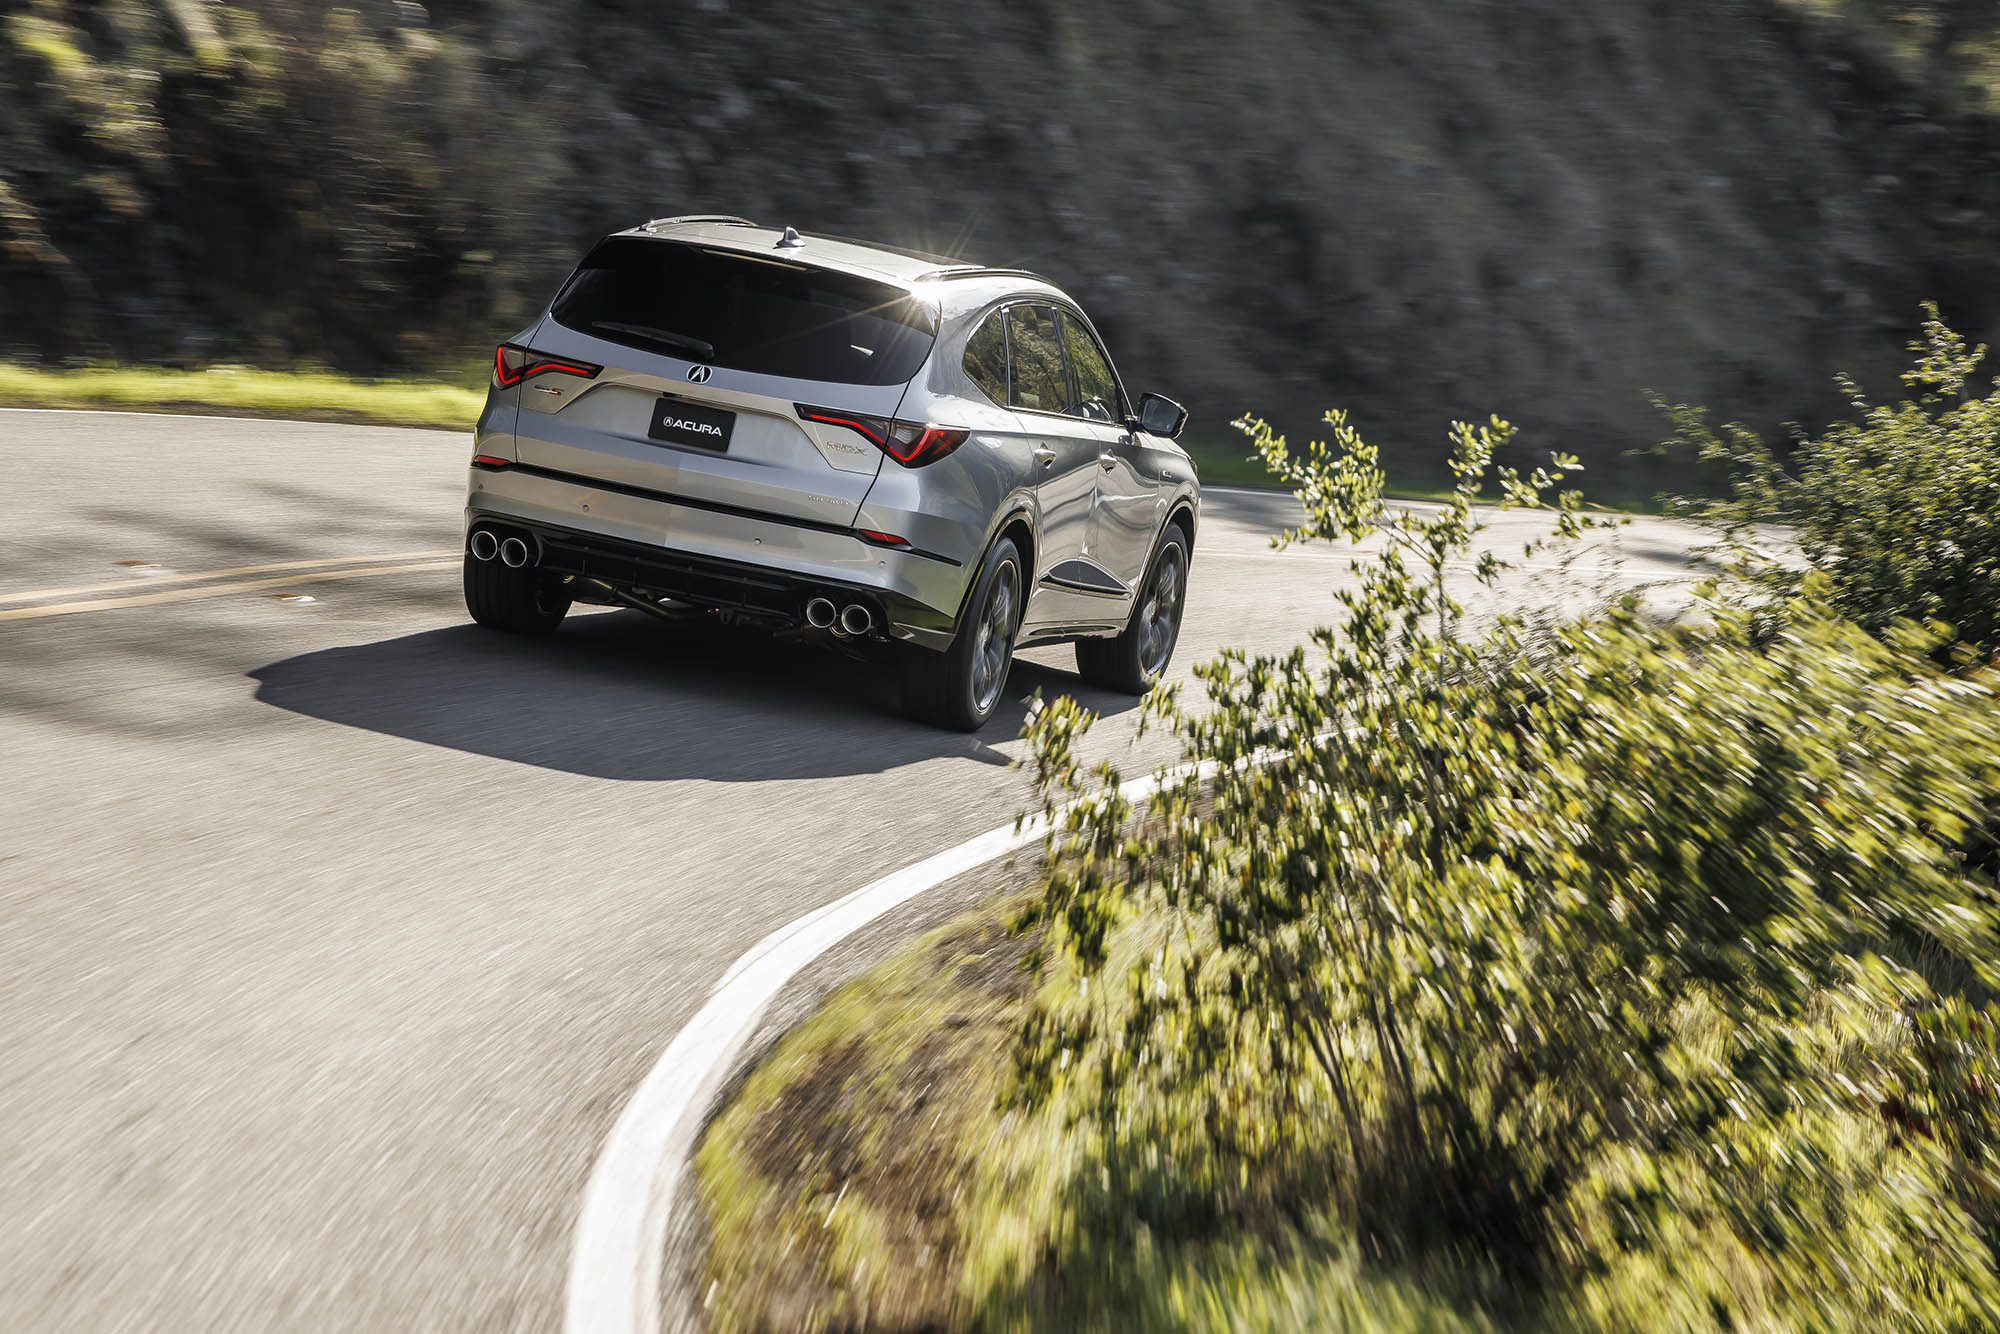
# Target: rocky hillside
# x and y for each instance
(1416, 208)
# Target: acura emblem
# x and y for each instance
(699, 374)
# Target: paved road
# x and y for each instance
(336, 932)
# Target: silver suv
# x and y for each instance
(892, 449)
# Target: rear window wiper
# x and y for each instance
(666, 337)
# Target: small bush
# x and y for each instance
(1898, 511)
(1585, 956)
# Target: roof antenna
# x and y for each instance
(790, 240)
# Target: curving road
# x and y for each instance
(337, 932)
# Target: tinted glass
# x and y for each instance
(1034, 356)
(1096, 387)
(747, 315)
(986, 359)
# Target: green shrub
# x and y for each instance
(1584, 955)
(1952, 46)
(1898, 511)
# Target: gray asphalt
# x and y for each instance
(337, 932)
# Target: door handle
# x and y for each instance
(1045, 456)
(1107, 461)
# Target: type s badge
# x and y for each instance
(679, 422)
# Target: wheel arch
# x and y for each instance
(1020, 526)
(1018, 522)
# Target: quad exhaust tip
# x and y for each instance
(484, 545)
(514, 553)
(849, 622)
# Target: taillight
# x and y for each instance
(912, 444)
(916, 445)
(512, 364)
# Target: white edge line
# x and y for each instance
(619, 1244)
(1274, 489)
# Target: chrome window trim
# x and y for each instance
(1070, 309)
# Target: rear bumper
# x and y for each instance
(670, 548)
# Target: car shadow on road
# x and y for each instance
(619, 695)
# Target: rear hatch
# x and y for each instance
(707, 354)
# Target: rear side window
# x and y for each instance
(1096, 386)
(1034, 355)
(986, 359)
(766, 317)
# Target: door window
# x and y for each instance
(986, 359)
(1096, 387)
(1035, 360)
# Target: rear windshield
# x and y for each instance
(772, 318)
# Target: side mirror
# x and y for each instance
(1160, 415)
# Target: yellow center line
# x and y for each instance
(215, 590)
(157, 580)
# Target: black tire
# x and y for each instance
(1134, 659)
(961, 687)
(524, 601)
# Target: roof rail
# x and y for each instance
(978, 271)
(928, 256)
(726, 219)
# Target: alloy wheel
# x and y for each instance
(993, 643)
(1160, 614)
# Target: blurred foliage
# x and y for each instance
(1584, 954)
(319, 183)
(1897, 513)
(1952, 1101)
(1541, 206)
(1952, 41)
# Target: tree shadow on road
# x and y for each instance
(622, 696)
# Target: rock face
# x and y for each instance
(1414, 208)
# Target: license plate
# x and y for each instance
(678, 422)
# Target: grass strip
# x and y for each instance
(866, 1177)
(246, 391)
